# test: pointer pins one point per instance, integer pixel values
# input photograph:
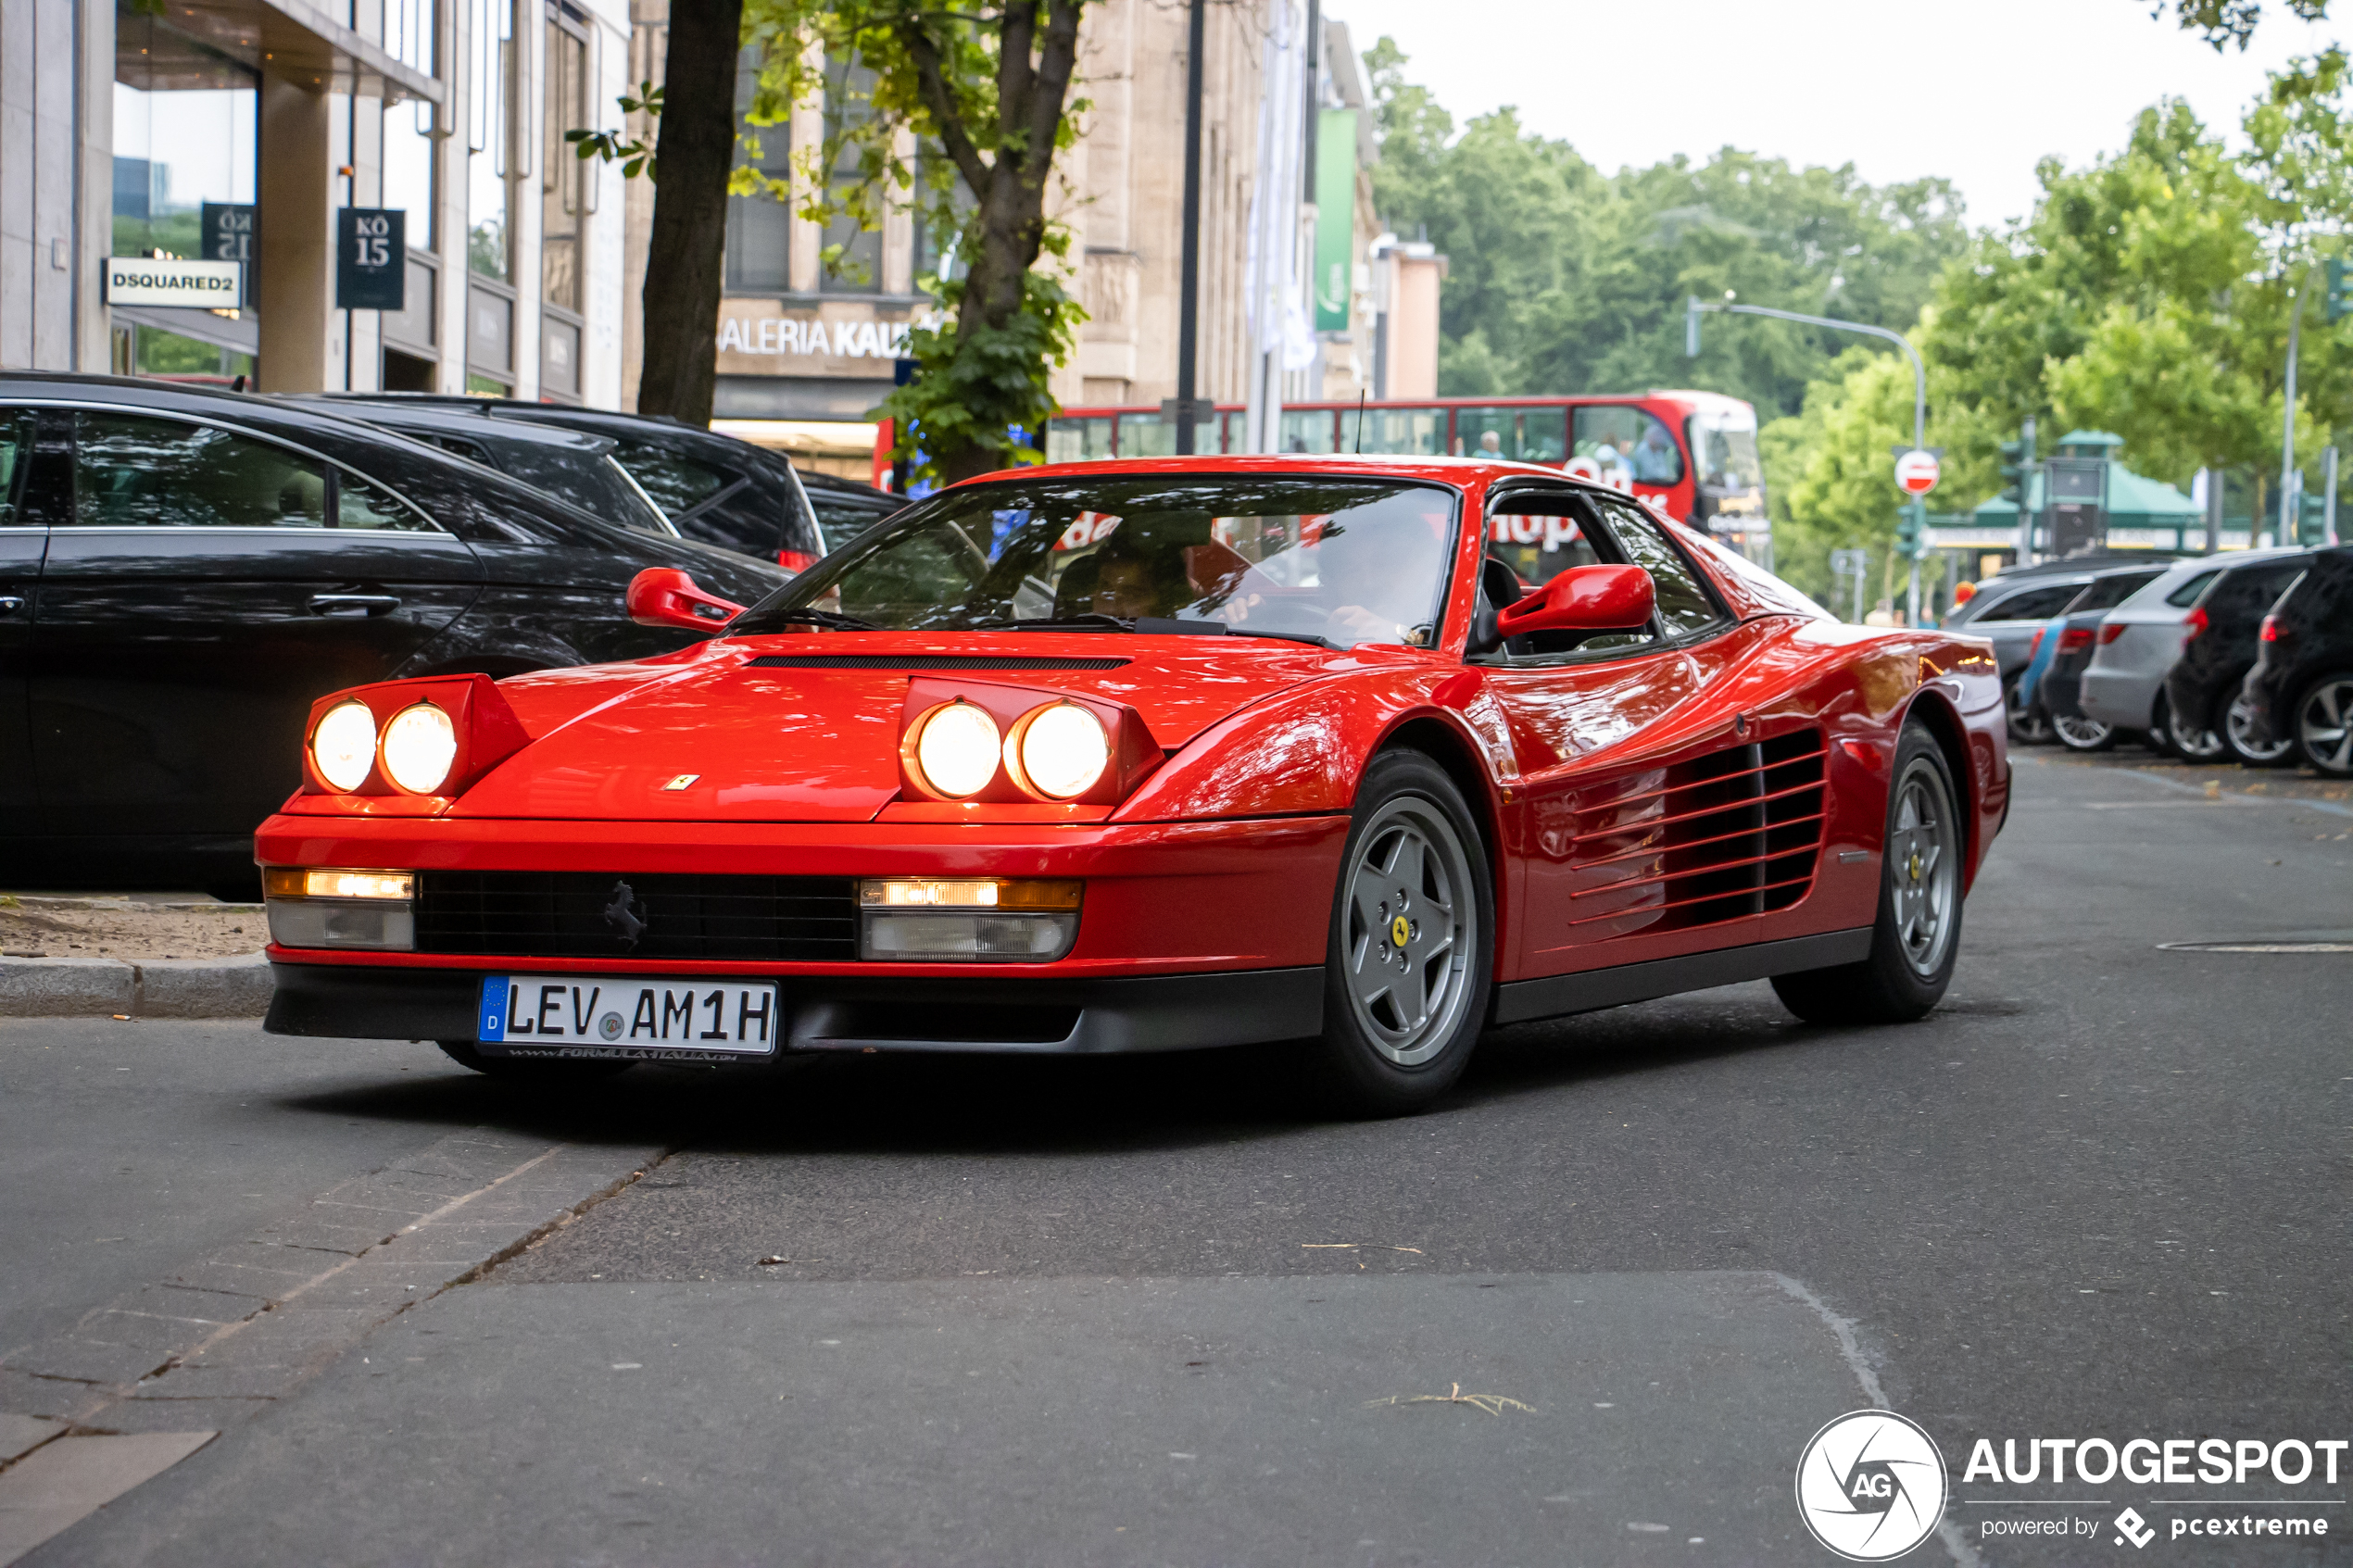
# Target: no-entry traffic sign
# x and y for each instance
(1916, 470)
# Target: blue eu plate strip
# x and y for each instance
(492, 1025)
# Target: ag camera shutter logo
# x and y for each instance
(1870, 1486)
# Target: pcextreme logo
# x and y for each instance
(1870, 1486)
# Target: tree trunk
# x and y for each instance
(686, 254)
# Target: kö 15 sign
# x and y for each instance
(372, 258)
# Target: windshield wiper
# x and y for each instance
(821, 617)
(1285, 637)
(1085, 621)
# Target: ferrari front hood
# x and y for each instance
(798, 728)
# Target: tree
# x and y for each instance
(2224, 22)
(983, 87)
(686, 252)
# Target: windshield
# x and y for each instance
(1340, 560)
(1724, 443)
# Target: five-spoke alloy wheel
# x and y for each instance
(2324, 724)
(1412, 947)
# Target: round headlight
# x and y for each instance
(344, 746)
(1064, 750)
(957, 750)
(420, 744)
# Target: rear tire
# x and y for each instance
(2324, 724)
(2199, 745)
(2083, 735)
(537, 1071)
(2029, 724)
(2238, 740)
(1917, 939)
(1401, 1017)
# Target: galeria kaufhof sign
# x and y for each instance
(810, 337)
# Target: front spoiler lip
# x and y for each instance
(1034, 1016)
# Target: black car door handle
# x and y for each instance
(353, 605)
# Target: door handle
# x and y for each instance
(10, 604)
(353, 605)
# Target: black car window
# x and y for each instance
(472, 450)
(361, 503)
(2248, 592)
(675, 484)
(841, 516)
(2107, 593)
(2186, 594)
(2030, 604)
(133, 472)
(1684, 604)
(15, 447)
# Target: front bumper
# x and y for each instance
(837, 1012)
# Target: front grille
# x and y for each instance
(927, 661)
(1734, 832)
(590, 915)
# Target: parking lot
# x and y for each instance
(1145, 1311)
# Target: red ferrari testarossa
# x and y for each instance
(1367, 753)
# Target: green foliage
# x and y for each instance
(975, 390)
(635, 156)
(2224, 22)
(1562, 279)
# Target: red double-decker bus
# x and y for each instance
(1694, 453)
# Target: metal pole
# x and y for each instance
(1189, 306)
(1912, 594)
(2328, 506)
(1861, 565)
(2287, 442)
(1919, 371)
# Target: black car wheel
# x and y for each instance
(1918, 937)
(2238, 738)
(1411, 955)
(538, 1072)
(2029, 725)
(2324, 724)
(2191, 745)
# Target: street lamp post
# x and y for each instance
(1919, 389)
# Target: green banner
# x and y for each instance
(1335, 217)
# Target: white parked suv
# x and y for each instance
(2124, 685)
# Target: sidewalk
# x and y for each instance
(131, 955)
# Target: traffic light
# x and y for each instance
(1911, 526)
(2017, 462)
(2340, 298)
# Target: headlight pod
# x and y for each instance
(953, 749)
(343, 745)
(420, 746)
(1057, 751)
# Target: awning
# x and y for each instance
(299, 44)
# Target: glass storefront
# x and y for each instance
(184, 137)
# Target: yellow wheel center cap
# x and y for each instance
(1914, 867)
(1399, 931)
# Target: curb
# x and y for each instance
(237, 987)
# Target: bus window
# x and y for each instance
(1397, 432)
(1308, 429)
(1724, 445)
(1526, 435)
(1078, 440)
(1636, 441)
(1143, 436)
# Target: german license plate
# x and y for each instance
(601, 1015)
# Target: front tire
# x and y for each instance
(538, 1072)
(1411, 956)
(1917, 939)
(2324, 724)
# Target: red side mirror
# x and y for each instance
(1584, 598)
(663, 595)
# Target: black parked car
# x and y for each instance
(713, 488)
(2078, 633)
(2302, 688)
(2224, 627)
(183, 570)
(845, 508)
(575, 465)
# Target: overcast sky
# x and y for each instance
(1976, 91)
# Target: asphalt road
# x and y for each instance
(985, 1312)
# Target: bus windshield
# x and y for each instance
(1724, 445)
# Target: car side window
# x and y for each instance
(134, 472)
(1536, 537)
(675, 484)
(2186, 594)
(2033, 604)
(1685, 607)
(16, 451)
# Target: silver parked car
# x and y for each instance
(2124, 685)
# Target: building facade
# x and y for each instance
(314, 195)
